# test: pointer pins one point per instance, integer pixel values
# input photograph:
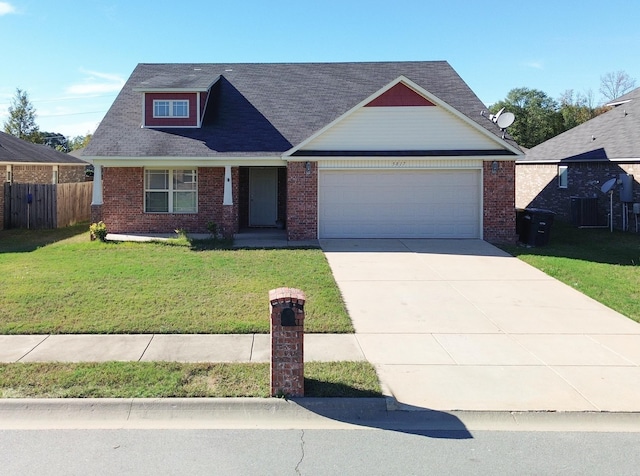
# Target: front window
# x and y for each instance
(563, 176)
(170, 191)
(171, 108)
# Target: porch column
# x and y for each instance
(228, 189)
(96, 199)
(229, 201)
(97, 185)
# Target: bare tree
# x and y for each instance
(615, 84)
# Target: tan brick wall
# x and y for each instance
(71, 173)
(123, 203)
(32, 173)
(499, 219)
(302, 201)
(44, 173)
(532, 179)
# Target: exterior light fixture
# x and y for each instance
(494, 167)
(307, 168)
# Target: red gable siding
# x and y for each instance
(399, 95)
(190, 121)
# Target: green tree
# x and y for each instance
(55, 140)
(78, 142)
(537, 116)
(576, 108)
(22, 119)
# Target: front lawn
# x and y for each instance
(596, 262)
(58, 281)
(172, 379)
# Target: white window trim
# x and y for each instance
(171, 103)
(563, 176)
(169, 191)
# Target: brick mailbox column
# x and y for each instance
(287, 339)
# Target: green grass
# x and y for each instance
(168, 379)
(596, 262)
(58, 281)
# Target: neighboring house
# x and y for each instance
(566, 173)
(24, 162)
(327, 150)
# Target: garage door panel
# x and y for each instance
(399, 204)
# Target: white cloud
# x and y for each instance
(70, 127)
(534, 64)
(97, 83)
(6, 8)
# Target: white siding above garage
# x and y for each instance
(401, 128)
(399, 204)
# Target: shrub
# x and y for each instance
(213, 229)
(98, 230)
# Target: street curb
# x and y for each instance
(273, 413)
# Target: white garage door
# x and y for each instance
(399, 204)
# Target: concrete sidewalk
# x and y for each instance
(169, 347)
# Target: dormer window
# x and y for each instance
(171, 108)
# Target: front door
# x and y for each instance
(263, 196)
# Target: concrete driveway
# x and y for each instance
(461, 325)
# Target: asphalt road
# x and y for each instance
(316, 452)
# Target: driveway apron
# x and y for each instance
(461, 325)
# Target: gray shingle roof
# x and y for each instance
(614, 135)
(264, 109)
(14, 151)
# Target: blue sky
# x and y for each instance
(73, 57)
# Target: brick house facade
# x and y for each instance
(279, 162)
(566, 173)
(538, 187)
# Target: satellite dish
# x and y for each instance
(495, 117)
(608, 185)
(504, 120)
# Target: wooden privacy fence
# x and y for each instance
(46, 205)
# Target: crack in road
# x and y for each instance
(297, 468)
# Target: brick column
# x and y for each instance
(287, 342)
(96, 213)
(302, 201)
(230, 220)
(499, 185)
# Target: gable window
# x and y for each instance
(563, 176)
(176, 108)
(170, 191)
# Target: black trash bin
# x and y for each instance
(535, 226)
(520, 213)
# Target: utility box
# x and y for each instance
(286, 307)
